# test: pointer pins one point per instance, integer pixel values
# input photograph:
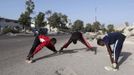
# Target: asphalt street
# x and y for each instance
(75, 60)
(14, 49)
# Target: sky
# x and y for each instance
(107, 11)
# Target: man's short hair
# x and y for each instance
(53, 41)
(99, 41)
(43, 31)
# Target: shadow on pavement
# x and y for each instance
(93, 49)
(125, 56)
(65, 52)
(55, 54)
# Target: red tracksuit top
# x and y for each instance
(46, 42)
(45, 38)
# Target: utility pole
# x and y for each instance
(95, 14)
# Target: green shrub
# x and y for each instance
(6, 30)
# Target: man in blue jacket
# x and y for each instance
(116, 39)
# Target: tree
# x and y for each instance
(39, 20)
(96, 26)
(78, 25)
(63, 21)
(29, 6)
(103, 28)
(25, 20)
(54, 20)
(57, 20)
(110, 28)
(48, 13)
(127, 24)
(88, 27)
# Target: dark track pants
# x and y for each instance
(35, 44)
(118, 48)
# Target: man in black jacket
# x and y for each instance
(74, 38)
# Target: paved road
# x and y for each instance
(74, 61)
(14, 49)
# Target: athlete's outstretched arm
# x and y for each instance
(110, 53)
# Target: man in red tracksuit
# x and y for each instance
(74, 38)
(41, 41)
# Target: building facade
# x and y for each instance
(4, 22)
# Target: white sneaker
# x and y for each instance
(29, 61)
(109, 68)
(114, 65)
(115, 69)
